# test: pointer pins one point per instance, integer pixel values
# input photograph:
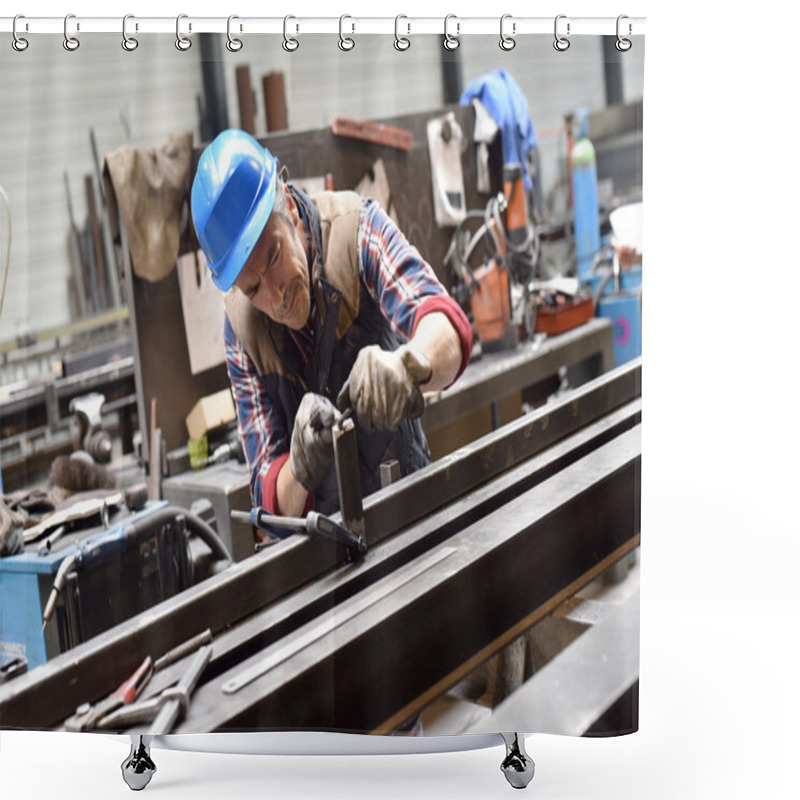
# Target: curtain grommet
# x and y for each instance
(71, 43)
(19, 43)
(451, 42)
(561, 43)
(183, 43)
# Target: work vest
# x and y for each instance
(347, 319)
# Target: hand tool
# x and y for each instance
(90, 716)
(313, 524)
(165, 708)
(182, 650)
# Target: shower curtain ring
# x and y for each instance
(345, 42)
(17, 42)
(623, 45)
(70, 43)
(401, 42)
(182, 42)
(233, 44)
(290, 44)
(561, 43)
(451, 42)
(129, 43)
(507, 42)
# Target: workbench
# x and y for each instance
(495, 376)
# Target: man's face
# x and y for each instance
(275, 277)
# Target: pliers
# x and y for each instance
(163, 710)
(90, 716)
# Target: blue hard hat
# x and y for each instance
(232, 197)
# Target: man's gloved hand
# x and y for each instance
(311, 448)
(383, 387)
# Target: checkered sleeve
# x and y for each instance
(400, 280)
(262, 428)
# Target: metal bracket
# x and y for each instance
(348, 480)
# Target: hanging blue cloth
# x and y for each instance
(504, 100)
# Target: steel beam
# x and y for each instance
(320, 597)
(378, 659)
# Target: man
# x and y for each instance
(328, 308)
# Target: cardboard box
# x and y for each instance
(210, 412)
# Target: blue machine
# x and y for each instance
(119, 575)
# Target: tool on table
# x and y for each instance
(163, 710)
(104, 714)
(88, 716)
(177, 653)
(313, 524)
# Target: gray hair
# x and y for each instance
(281, 204)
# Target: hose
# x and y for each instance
(193, 523)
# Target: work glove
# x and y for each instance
(311, 448)
(383, 387)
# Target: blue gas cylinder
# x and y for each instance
(584, 195)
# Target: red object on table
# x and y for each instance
(563, 317)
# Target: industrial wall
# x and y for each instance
(145, 96)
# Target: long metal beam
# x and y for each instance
(380, 652)
(330, 591)
(53, 691)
